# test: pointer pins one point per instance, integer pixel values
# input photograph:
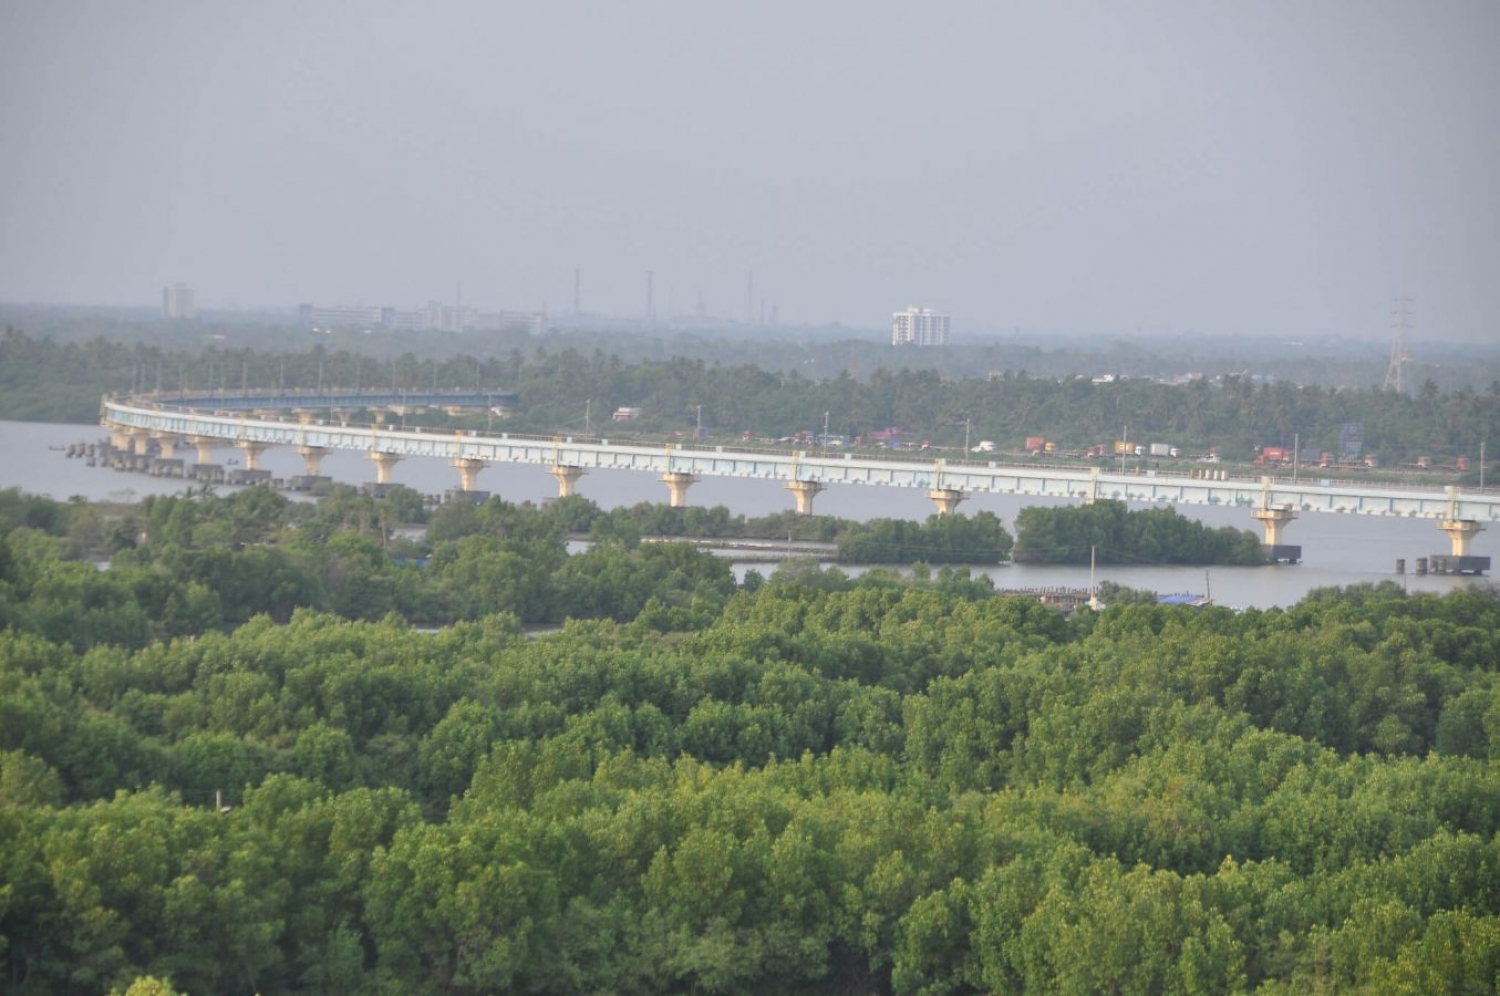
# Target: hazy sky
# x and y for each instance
(1226, 167)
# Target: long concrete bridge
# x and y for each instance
(253, 423)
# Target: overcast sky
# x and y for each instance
(1237, 167)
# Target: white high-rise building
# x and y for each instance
(919, 327)
(178, 301)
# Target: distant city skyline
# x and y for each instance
(1226, 169)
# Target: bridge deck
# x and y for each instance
(968, 476)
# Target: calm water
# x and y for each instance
(1336, 549)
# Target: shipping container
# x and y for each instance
(1161, 449)
(1034, 443)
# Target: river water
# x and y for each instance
(1336, 549)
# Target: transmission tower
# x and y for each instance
(1395, 374)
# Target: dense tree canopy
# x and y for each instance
(804, 783)
(1117, 535)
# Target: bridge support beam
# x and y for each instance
(677, 483)
(166, 443)
(567, 478)
(804, 492)
(468, 472)
(384, 464)
(946, 499)
(1274, 520)
(252, 451)
(1093, 492)
(313, 457)
(305, 415)
(205, 447)
(131, 442)
(1460, 532)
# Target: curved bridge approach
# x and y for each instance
(315, 425)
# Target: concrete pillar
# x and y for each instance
(384, 464)
(313, 457)
(136, 441)
(205, 447)
(468, 472)
(305, 416)
(567, 477)
(1093, 493)
(166, 443)
(252, 451)
(677, 483)
(341, 415)
(804, 492)
(1274, 520)
(1460, 531)
(119, 437)
(946, 499)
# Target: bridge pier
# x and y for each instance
(305, 415)
(204, 446)
(567, 478)
(946, 499)
(313, 457)
(468, 472)
(252, 450)
(1093, 492)
(677, 483)
(384, 464)
(1460, 532)
(166, 443)
(804, 492)
(1274, 520)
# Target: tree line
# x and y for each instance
(565, 389)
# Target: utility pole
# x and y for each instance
(698, 436)
(1395, 374)
(825, 434)
(588, 424)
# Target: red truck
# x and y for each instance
(1274, 454)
